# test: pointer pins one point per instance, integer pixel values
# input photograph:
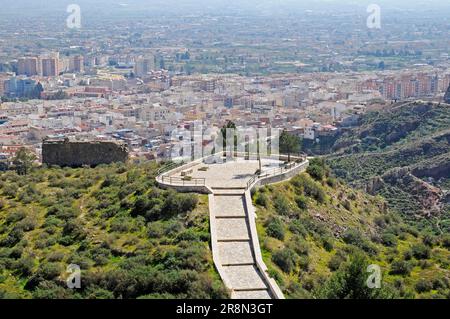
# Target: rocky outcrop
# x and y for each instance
(430, 199)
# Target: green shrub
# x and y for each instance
(176, 203)
(10, 190)
(400, 267)
(298, 228)
(354, 237)
(15, 216)
(420, 251)
(24, 266)
(332, 182)
(262, 200)
(429, 240)
(300, 246)
(350, 282)
(423, 285)
(316, 172)
(275, 229)
(318, 169)
(335, 262)
(445, 240)
(389, 239)
(301, 202)
(347, 205)
(49, 271)
(281, 205)
(285, 259)
(327, 243)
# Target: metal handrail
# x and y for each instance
(168, 167)
(251, 181)
(274, 172)
(184, 182)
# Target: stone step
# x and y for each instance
(235, 253)
(229, 229)
(244, 277)
(251, 294)
(232, 205)
(228, 192)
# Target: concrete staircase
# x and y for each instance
(233, 247)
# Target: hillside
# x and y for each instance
(130, 238)
(403, 154)
(318, 236)
(135, 240)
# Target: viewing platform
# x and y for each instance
(234, 239)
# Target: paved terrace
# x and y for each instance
(231, 174)
(234, 240)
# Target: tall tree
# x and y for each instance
(23, 161)
(289, 144)
(229, 125)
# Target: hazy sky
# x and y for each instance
(212, 6)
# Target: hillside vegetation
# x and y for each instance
(403, 154)
(130, 238)
(318, 236)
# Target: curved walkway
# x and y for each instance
(234, 239)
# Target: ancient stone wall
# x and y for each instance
(75, 154)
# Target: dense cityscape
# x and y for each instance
(140, 80)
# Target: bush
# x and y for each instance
(176, 203)
(262, 200)
(350, 282)
(347, 205)
(27, 224)
(300, 246)
(400, 267)
(335, 262)
(423, 285)
(445, 240)
(311, 188)
(429, 240)
(49, 271)
(285, 259)
(315, 172)
(298, 228)
(318, 169)
(282, 205)
(275, 229)
(354, 237)
(420, 251)
(389, 240)
(10, 190)
(14, 237)
(301, 202)
(15, 216)
(332, 182)
(24, 266)
(327, 243)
